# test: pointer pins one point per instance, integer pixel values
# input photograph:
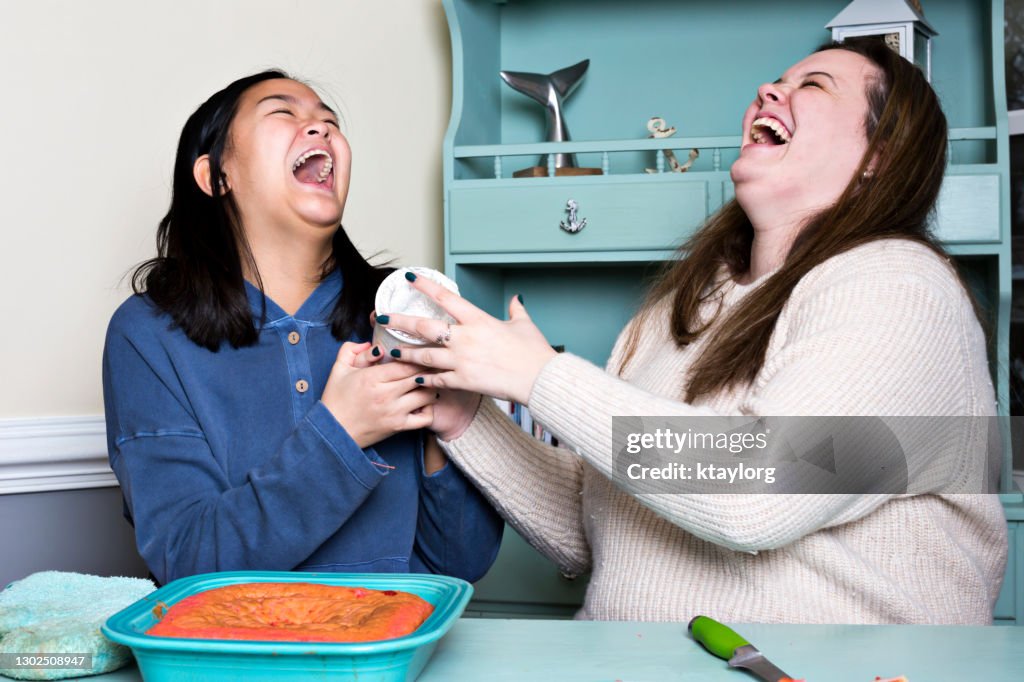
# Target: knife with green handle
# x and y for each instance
(726, 643)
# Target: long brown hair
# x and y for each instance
(906, 132)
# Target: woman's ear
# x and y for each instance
(873, 163)
(201, 172)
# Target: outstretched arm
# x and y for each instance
(537, 488)
(864, 336)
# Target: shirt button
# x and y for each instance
(301, 385)
(293, 338)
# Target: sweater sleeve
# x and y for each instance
(536, 487)
(188, 519)
(892, 335)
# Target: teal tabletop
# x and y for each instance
(661, 652)
(570, 651)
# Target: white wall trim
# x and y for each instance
(53, 453)
(39, 454)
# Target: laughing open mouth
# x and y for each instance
(767, 130)
(314, 167)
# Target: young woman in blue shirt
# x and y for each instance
(247, 420)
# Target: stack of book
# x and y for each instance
(520, 414)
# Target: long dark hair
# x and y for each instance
(906, 132)
(196, 277)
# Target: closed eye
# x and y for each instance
(812, 84)
(282, 111)
(332, 122)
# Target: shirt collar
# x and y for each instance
(316, 308)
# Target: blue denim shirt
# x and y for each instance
(228, 461)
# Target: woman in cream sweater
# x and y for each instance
(818, 291)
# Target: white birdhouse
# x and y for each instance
(900, 22)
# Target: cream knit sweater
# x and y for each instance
(884, 329)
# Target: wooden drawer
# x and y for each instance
(627, 216)
(968, 209)
(657, 215)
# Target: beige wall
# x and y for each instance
(93, 97)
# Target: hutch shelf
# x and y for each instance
(697, 65)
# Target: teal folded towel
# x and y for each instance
(54, 612)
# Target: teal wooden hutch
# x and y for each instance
(697, 65)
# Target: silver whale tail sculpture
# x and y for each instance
(551, 90)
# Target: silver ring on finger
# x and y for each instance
(444, 338)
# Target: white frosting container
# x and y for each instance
(397, 295)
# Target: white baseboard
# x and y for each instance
(53, 453)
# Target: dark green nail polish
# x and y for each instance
(411, 276)
(520, 297)
(383, 319)
(396, 353)
(419, 380)
(375, 351)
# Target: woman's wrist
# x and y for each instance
(537, 364)
(468, 414)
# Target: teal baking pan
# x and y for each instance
(169, 659)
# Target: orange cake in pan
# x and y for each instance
(298, 612)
